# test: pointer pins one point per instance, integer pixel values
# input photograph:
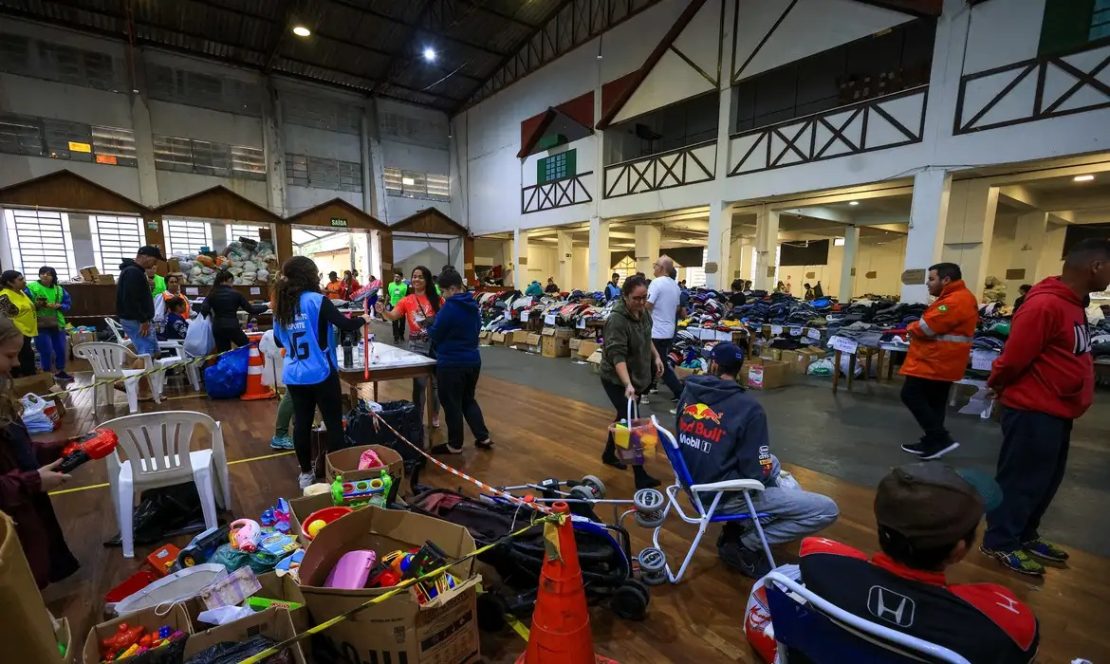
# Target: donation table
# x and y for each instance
(387, 363)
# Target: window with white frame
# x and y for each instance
(38, 238)
(187, 237)
(236, 231)
(414, 184)
(114, 239)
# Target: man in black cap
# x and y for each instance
(134, 304)
(723, 436)
(927, 516)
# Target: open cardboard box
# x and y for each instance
(273, 623)
(177, 619)
(586, 348)
(345, 462)
(443, 631)
(286, 594)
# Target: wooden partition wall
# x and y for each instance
(431, 221)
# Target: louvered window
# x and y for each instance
(112, 145)
(236, 231)
(187, 237)
(439, 187)
(114, 239)
(67, 140)
(414, 184)
(248, 162)
(40, 238)
(323, 173)
(20, 134)
(296, 169)
(350, 176)
(392, 178)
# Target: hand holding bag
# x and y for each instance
(636, 438)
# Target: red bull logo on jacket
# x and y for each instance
(700, 425)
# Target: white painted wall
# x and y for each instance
(885, 260)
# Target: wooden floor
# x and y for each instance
(542, 435)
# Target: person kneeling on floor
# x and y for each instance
(723, 435)
(927, 516)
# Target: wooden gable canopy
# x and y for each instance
(338, 214)
(430, 220)
(219, 202)
(65, 190)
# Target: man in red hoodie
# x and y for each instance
(1044, 380)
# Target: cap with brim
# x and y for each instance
(150, 250)
(928, 503)
(727, 355)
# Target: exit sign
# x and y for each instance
(338, 222)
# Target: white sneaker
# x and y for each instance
(306, 479)
(644, 399)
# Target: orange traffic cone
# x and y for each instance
(255, 388)
(560, 623)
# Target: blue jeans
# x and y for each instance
(52, 349)
(143, 345)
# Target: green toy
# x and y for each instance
(359, 493)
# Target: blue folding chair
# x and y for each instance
(818, 631)
(698, 494)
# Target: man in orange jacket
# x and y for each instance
(940, 344)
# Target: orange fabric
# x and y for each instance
(334, 290)
(167, 296)
(941, 341)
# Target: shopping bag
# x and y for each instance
(39, 415)
(199, 340)
(227, 378)
(635, 438)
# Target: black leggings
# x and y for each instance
(225, 336)
(26, 360)
(306, 399)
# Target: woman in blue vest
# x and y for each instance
(304, 325)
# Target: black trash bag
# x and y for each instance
(165, 512)
(230, 652)
(363, 429)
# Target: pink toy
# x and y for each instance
(245, 535)
(352, 570)
(369, 459)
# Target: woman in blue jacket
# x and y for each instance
(458, 364)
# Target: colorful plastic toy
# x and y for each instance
(359, 493)
(352, 570)
(245, 535)
(277, 517)
(369, 460)
(163, 558)
(201, 547)
(124, 638)
(327, 515)
(95, 445)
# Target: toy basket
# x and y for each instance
(635, 437)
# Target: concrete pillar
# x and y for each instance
(373, 174)
(273, 146)
(735, 261)
(144, 139)
(375, 257)
(848, 264)
(599, 253)
(1052, 252)
(717, 274)
(1028, 240)
(766, 247)
(647, 247)
(507, 262)
(969, 231)
(566, 261)
(928, 217)
(520, 259)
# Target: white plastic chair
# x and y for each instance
(823, 632)
(177, 347)
(117, 330)
(113, 362)
(698, 494)
(159, 452)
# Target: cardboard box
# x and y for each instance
(497, 338)
(683, 373)
(152, 619)
(768, 353)
(345, 462)
(587, 347)
(797, 361)
(574, 344)
(33, 636)
(443, 631)
(556, 343)
(173, 266)
(90, 274)
(272, 623)
(533, 340)
(483, 336)
(286, 594)
(767, 375)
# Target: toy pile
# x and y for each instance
(249, 261)
(362, 568)
(130, 642)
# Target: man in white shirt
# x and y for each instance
(663, 302)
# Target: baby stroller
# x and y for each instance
(603, 553)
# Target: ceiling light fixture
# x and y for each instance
(301, 31)
(853, 202)
(429, 54)
(1083, 178)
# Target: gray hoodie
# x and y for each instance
(722, 432)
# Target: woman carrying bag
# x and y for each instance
(222, 305)
(50, 301)
(458, 364)
(419, 311)
(16, 305)
(628, 362)
(304, 324)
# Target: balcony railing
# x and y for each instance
(873, 124)
(1034, 89)
(674, 168)
(557, 194)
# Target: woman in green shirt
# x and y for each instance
(50, 301)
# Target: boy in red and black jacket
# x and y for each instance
(1044, 380)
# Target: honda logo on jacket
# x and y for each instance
(890, 606)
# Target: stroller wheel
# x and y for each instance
(630, 601)
(491, 612)
(653, 566)
(595, 485)
(648, 504)
(581, 493)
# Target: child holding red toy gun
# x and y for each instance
(28, 470)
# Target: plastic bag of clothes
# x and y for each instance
(822, 367)
(227, 378)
